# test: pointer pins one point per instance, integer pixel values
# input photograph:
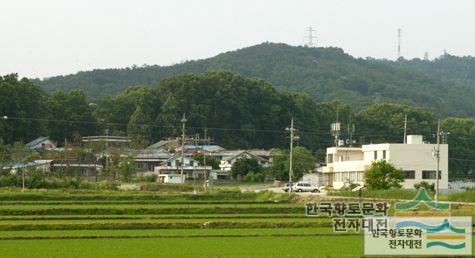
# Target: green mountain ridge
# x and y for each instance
(445, 85)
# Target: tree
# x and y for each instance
(70, 115)
(138, 128)
(24, 104)
(210, 160)
(383, 175)
(20, 155)
(127, 168)
(303, 162)
(243, 166)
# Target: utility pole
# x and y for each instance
(292, 139)
(437, 156)
(107, 152)
(183, 122)
(204, 161)
(405, 129)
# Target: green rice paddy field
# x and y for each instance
(85, 224)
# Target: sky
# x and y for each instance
(56, 37)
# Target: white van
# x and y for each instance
(305, 187)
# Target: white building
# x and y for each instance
(170, 168)
(228, 161)
(346, 165)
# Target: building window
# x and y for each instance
(337, 177)
(344, 176)
(330, 158)
(375, 155)
(384, 154)
(409, 174)
(360, 175)
(191, 163)
(352, 176)
(428, 174)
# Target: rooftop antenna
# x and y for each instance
(351, 132)
(335, 127)
(426, 56)
(399, 36)
(405, 129)
(310, 37)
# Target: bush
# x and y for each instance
(383, 175)
(150, 178)
(427, 186)
(254, 177)
(396, 193)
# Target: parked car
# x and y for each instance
(305, 187)
(287, 187)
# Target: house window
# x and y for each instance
(409, 174)
(352, 176)
(169, 164)
(344, 176)
(337, 177)
(375, 155)
(330, 158)
(428, 174)
(191, 163)
(360, 175)
(384, 154)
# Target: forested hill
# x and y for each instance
(446, 85)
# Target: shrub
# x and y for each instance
(150, 178)
(383, 175)
(254, 177)
(426, 185)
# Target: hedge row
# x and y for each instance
(137, 196)
(144, 211)
(173, 236)
(236, 216)
(163, 225)
(144, 202)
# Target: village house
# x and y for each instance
(148, 159)
(42, 165)
(75, 168)
(228, 161)
(347, 165)
(207, 149)
(168, 144)
(170, 170)
(41, 143)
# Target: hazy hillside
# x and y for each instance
(446, 85)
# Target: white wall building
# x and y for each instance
(227, 162)
(168, 170)
(346, 165)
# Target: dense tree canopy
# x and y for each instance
(302, 162)
(446, 84)
(21, 99)
(239, 112)
(244, 166)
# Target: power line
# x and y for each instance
(309, 132)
